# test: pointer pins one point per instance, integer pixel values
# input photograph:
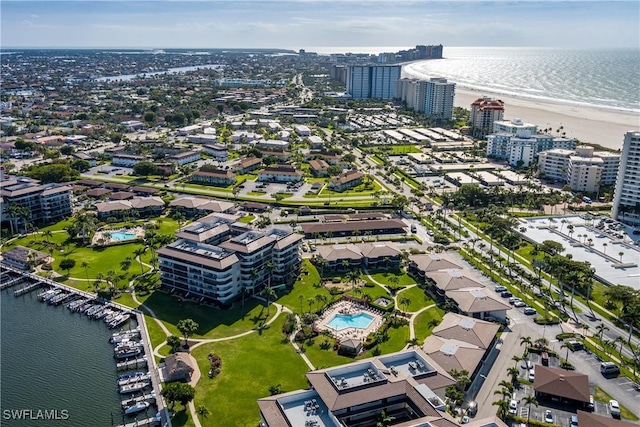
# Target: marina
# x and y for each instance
(138, 389)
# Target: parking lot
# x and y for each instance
(560, 411)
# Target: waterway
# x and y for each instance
(127, 77)
(55, 360)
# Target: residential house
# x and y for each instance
(246, 165)
(217, 151)
(349, 179)
(185, 157)
(318, 167)
(280, 173)
(217, 177)
(128, 160)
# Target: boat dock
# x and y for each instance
(151, 397)
(132, 364)
(61, 293)
(10, 283)
(147, 421)
(27, 289)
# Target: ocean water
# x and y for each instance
(55, 360)
(603, 78)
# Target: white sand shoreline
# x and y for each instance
(603, 126)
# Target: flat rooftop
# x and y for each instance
(304, 407)
(355, 376)
(407, 364)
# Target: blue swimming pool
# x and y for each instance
(122, 235)
(343, 321)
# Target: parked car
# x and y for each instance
(529, 311)
(506, 294)
(532, 375)
(548, 417)
(519, 304)
(513, 406)
(472, 409)
(500, 288)
(609, 368)
(513, 300)
(614, 408)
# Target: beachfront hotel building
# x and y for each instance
(433, 97)
(372, 81)
(484, 113)
(626, 199)
(217, 259)
(584, 169)
(519, 143)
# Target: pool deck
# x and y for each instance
(137, 232)
(348, 307)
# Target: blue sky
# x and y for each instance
(310, 24)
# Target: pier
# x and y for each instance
(11, 283)
(132, 364)
(151, 397)
(27, 289)
(147, 421)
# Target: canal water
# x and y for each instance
(57, 361)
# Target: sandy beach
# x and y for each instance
(601, 126)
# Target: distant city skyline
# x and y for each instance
(309, 24)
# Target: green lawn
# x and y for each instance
(307, 287)
(386, 278)
(397, 150)
(213, 322)
(422, 326)
(418, 299)
(360, 190)
(250, 365)
(247, 219)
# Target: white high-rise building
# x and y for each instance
(584, 169)
(432, 97)
(626, 199)
(439, 96)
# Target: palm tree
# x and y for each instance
(405, 302)
(269, 293)
(353, 276)
(413, 342)
(85, 265)
(203, 411)
(503, 407)
(619, 340)
(604, 248)
(47, 235)
(301, 298)
(600, 330)
(310, 301)
(529, 400)
(270, 265)
(513, 373)
(526, 341)
(620, 254)
(516, 359)
(138, 254)
(568, 347)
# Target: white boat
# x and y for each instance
(128, 353)
(137, 407)
(119, 321)
(131, 388)
(131, 375)
(139, 378)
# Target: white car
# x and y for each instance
(513, 406)
(529, 310)
(532, 375)
(614, 408)
(548, 417)
(519, 304)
